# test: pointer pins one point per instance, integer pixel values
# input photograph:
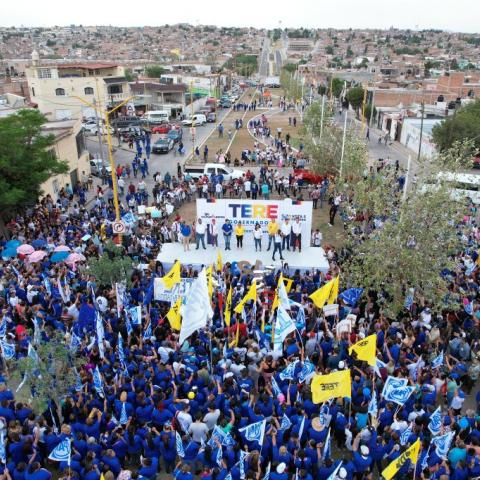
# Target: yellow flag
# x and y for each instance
(410, 454)
(219, 262)
(228, 308)
(234, 342)
(210, 281)
(288, 284)
(321, 295)
(251, 295)
(173, 276)
(173, 315)
(332, 298)
(366, 349)
(333, 385)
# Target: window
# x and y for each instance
(33, 91)
(88, 91)
(59, 92)
(44, 73)
(80, 140)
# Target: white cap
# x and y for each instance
(281, 467)
(341, 364)
(364, 450)
(342, 473)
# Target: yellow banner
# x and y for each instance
(366, 349)
(332, 298)
(251, 295)
(173, 315)
(321, 295)
(173, 276)
(333, 385)
(219, 262)
(409, 454)
(210, 281)
(228, 308)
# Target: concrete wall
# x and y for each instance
(410, 136)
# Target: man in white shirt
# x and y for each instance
(247, 185)
(214, 231)
(286, 233)
(297, 234)
(317, 238)
(218, 190)
(200, 229)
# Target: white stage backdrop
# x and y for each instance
(249, 212)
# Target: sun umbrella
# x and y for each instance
(62, 248)
(13, 244)
(58, 257)
(74, 258)
(37, 256)
(25, 249)
(39, 243)
(9, 253)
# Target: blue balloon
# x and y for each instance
(463, 423)
(366, 392)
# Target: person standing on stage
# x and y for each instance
(185, 231)
(277, 245)
(297, 234)
(227, 233)
(239, 233)
(214, 232)
(200, 229)
(286, 233)
(257, 237)
(272, 229)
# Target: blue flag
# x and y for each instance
(123, 414)
(267, 472)
(128, 325)
(300, 321)
(308, 369)
(437, 362)
(32, 354)
(435, 424)
(97, 382)
(327, 449)
(8, 350)
(179, 445)
(254, 432)
(219, 457)
(275, 387)
(74, 342)
(351, 296)
(121, 352)
(442, 444)
(393, 382)
(333, 475)
(3, 452)
(100, 333)
(398, 395)
(372, 404)
(62, 452)
(148, 331)
(3, 327)
(288, 373)
(405, 435)
(286, 423)
(243, 456)
(149, 293)
(301, 429)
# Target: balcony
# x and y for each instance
(114, 98)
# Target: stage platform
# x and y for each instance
(310, 258)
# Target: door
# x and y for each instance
(73, 178)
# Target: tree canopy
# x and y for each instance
(154, 71)
(355, 97)
(465, 124)
(111, 267)
(27, 159)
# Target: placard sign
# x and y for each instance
(250, 212)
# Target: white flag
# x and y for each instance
(284, 326)
(197, 308)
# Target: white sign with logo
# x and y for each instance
(118, 227)
(162, 294)
(250, 212)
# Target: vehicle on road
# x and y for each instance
(195, 120)
(97, 165)
(94, 130)
(156, 117)
(87, 125)
(163, 145)
(124, 122)
(305, 176)
(211, 117)
(225, 103)
(164, 128)
(175, 134)
(197, 171)
(461, 185)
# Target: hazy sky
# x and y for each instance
(457, 15)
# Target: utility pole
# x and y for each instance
(99, 133)
(372, 107)
(421, 133)
(343, 141)
(321, 118)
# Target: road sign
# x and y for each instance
(118, 227)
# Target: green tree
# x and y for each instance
(154, 71)
(290, 67)
(111, 267)
(27, 160)
(129, 75)
(465, 124)
(51, 377)
(368, 112)
(322, 90)
(355, 98)
(337, 86)
(329, 50)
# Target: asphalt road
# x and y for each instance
(263, 64)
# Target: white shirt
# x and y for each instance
(200, 228)
(214, 228)
(257, 233)
(297, 228)
(247, 185)
(286, 228)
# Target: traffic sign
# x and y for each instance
(118, 227)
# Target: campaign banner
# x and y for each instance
(250, 212)
(162, 294)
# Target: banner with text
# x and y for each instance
(250, 212)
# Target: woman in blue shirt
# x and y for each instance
(186, 232)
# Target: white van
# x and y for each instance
(461, 185)
(194, 120)
(197, 171)
(156, 116)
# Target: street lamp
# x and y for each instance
(106, 114)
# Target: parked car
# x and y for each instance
(164, 128)
(194, 120)
(163, 145)
(87, 125)
(225, 103)
(305, 176)
(103, 130)
(123, 122)
(197, 171)
(97, 165)
(212, 117)
(175, 134)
